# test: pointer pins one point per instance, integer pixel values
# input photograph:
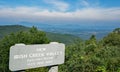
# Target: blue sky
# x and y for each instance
(59, 11)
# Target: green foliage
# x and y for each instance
(32, 37)
(117, 30)
(91, 44)
(113, 39)
(91, 56)
(101, 69)
(110, 56)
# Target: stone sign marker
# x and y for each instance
(32, 56)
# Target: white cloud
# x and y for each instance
(88, 3)
(85, 3)
(43, 15)
(57, 4)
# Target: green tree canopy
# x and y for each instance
(113, 39)
(117, 30)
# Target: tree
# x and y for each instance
(91, 45)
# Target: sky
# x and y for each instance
(60, 11)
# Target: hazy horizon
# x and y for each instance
(86, 12)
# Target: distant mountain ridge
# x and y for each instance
(81, 30)
(7, 29)
(64, 38)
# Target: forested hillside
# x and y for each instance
(7, 29)
(80, 56)
(64, 38)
